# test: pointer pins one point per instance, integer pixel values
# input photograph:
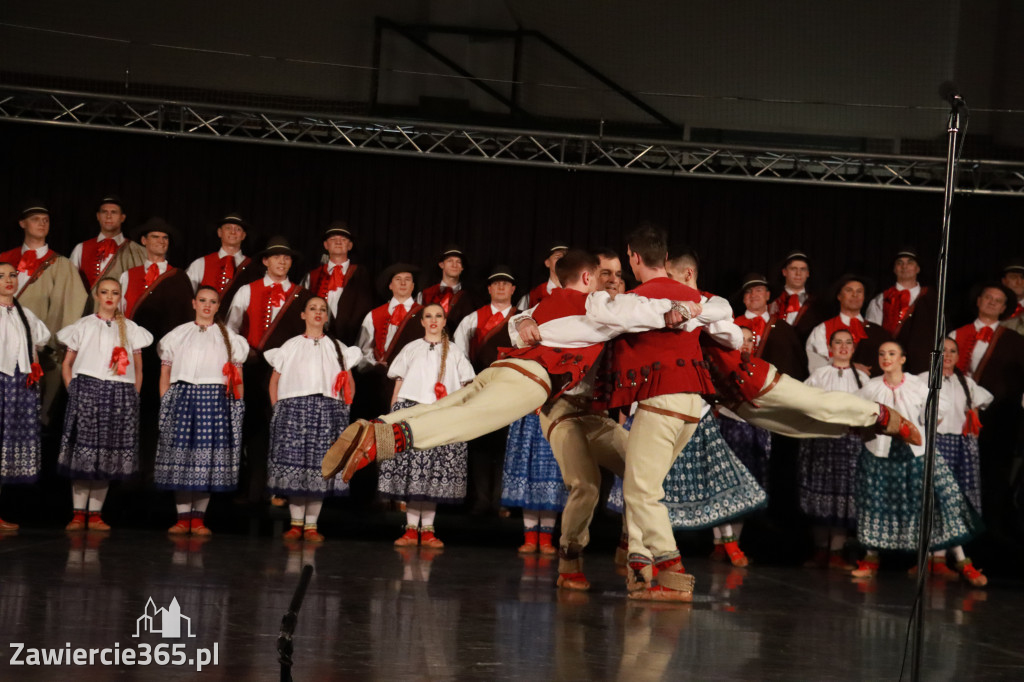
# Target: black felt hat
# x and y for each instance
(338, 228)
(1013, 265)
(451, 250)
(385, 277)
(556, 245)
(906, 252)
(796, 254)
(853, 277)
(753, 279)
(156, 224)
(501, 273)
(278, 245)
(233, 218)
(111, 199)
(33, 208)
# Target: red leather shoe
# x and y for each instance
(182, 527)
(736, 555)
(96, 523)
(544, 545)
(865, 569)
(410, 538)
(428, 539)
(312, 535)
(293, 533)
(530, 545)
(199, 528)
(972, 574)
(7, 526)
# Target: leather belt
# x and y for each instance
(669, 413)
(526, 373)
(564, 417)
(770, 386)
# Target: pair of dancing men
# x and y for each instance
(654, 359)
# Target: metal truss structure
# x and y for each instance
(573, 152)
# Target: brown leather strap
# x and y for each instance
(564, 417)
(976, 375)
(526, 373)
(669, 413)
(771, 385)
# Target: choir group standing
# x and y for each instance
(296, 348)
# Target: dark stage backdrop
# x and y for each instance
(406, 209)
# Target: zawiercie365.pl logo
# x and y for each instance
(167, 622)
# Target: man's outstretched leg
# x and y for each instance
(506, 391)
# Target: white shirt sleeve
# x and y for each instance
(513, 333)
(365, 342)
(627, 313)
(76, 256)
(464, 332)
(874, 311)
(817, 349)
(399, 366)
(980, 396)
(463, 368)
(122, 305)
(196, 271)
(727, 333)
(138, 337)
(715, 309)
(236, 313)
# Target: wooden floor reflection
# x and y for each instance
(470, 613)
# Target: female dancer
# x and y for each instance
(890, 474)
(103, 374)
(957, 443)
(21, 333)
(426, 370)
(828, 466)
(201, 410)
(311, 389)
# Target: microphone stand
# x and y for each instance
(934, 386)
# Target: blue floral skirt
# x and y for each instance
(961, 456)
(200, 438)
(752, 445)
(707, 485)
(889, 502)
(19, 429)
(434, 475)
(827, 472)
(302, 429)
(101, 430)
(531, 478)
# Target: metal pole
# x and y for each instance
(932, 406)
(288, 623)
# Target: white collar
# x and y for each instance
(161, 266)
(495, 309)
(40, 252)
(393, 303)
(913, 290)
(286, 285)
(978, 324)
(802, 292)
(764, 316)
(238, 256)
(846, 319)
(119, 238)
(331, 265)
(552, 285)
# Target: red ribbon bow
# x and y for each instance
(152, 272)
(106, 248)
(398, 315)
(35, 375)
(984, 334)
(445, 301)
(857, 330)
(227, 267)
(343, 386)
(440, 391)
(275, 298)
(335, 281)
(754, 324)
(1018, 310)
(972, 425)
(119, 361)
(792, 304)
(234, 383)
(28, 262)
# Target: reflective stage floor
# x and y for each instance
(469, 613)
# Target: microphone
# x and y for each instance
(951, 93)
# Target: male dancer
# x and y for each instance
(227, 269)
(109, 254)
(450, 293)
(774, 339)
(50, 286)
(867, 335)
(907, 312)
(554, 252)
(346, 286)
(799, 308)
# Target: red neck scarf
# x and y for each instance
(335, 281)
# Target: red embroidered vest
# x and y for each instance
(92, 266)
(136, 287)
(213, 272)
(539, 293)
(381, 319)
(575, 362)
(659, 362)
(483, 316)
(258, 312)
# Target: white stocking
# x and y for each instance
(313, 511)
(183, 501)
(297, 510)
(531, 519)
(97, 494)
(412, 514)
(427, 512)
(80, 495)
